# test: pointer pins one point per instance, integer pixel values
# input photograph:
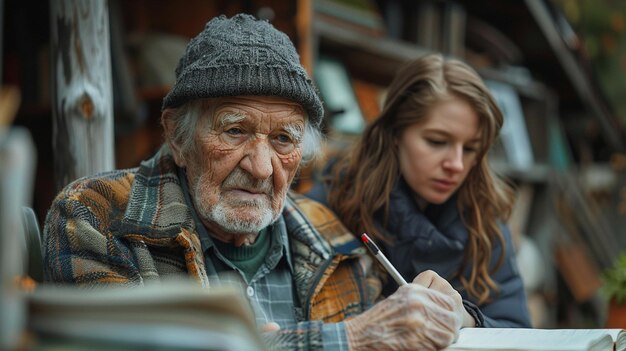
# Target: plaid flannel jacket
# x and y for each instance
(132, 227)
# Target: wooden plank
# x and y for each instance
(578, 270)
(304, 32)
(81, 89)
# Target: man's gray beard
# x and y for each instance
(225, 216)
(222, 215)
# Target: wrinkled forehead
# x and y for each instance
(267, 104)
(266, 113)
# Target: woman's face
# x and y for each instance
(437, 154)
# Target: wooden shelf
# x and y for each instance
(377, 58)
(579, 78)
(373, 58)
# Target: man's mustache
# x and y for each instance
(240, 179)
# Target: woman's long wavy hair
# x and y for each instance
(362, 181)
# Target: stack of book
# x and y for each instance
(174, 316)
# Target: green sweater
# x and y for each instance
(247, 258)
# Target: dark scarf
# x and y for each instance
(431, 239)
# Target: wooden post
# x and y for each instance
(304, 30)
(1, 37)
(82, 98)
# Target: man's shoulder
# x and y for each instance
(108, 186)
(315, 211)
(325, 222)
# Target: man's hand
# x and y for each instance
(431, 279)
(415, 317)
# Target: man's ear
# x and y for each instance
(168, 121)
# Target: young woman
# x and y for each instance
(418, 181)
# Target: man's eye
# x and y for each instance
(284, 143)
(234, 131)
(284, 138)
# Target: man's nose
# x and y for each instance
(258, 159)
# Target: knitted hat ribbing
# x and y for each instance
(243, 56)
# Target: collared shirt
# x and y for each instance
(270, 291)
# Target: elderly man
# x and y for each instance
(215, 200)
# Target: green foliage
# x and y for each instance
(601, 25)
(615, 280)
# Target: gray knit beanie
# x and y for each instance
(243, 56)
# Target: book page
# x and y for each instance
(512, 339)
(619, 336)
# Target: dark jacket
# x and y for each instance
(435, 239)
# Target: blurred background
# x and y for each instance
(556, 67)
